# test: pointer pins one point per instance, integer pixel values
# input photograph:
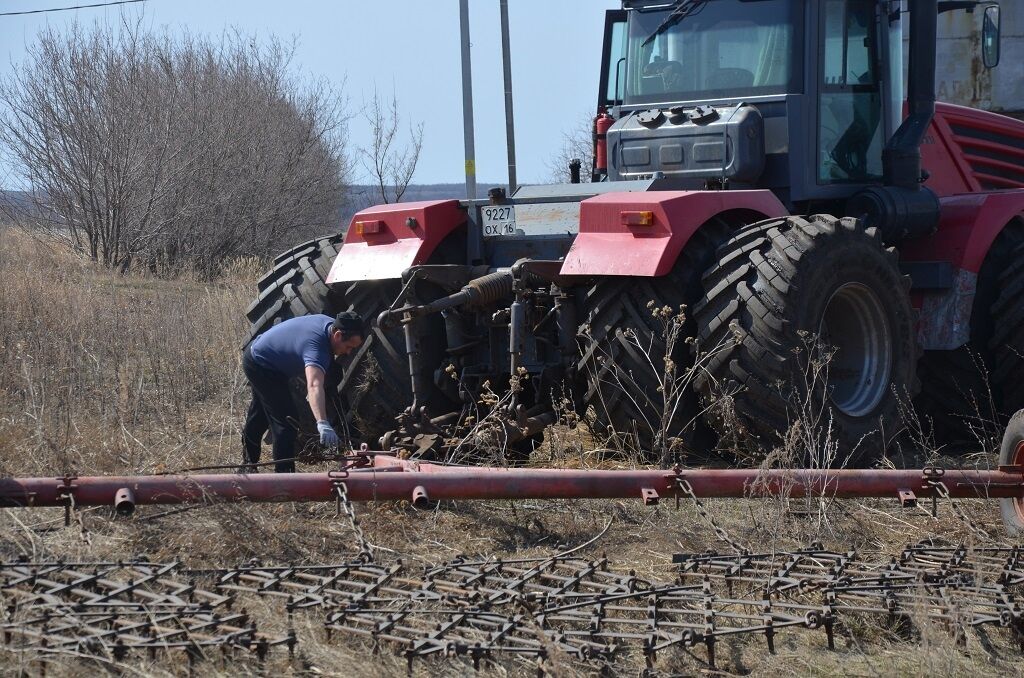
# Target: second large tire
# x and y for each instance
(1007, 339)
(623, 344)
(969, 393)
(802, 313)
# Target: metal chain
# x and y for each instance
(943, 491)
(684, 485)
(341, 490)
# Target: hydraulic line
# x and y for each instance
(481, 291)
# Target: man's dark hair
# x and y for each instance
(350, 323)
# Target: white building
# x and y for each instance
(960, 76)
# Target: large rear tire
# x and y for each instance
(801, 312)
(968, 393)
(623, 351)
(1007, 343)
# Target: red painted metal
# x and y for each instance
(985, 149)
(403, 235)
(976, 162)
(602, 124)
(941, 158)
(967, 228)
(607, 246)
(960, 151)
(392, 479)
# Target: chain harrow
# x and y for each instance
(111, 610)
(585, 610)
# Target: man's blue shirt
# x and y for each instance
(290, 346)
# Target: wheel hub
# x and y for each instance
(855, 327)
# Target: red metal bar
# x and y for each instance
(393, 479)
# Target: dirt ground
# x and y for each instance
(106, 374)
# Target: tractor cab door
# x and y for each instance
(613, 60)
(851, 133)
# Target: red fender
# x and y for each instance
(608, 244)
(384, 240)
(967, 228)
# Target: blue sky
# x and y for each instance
(411, 47)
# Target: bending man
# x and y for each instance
(300, 346)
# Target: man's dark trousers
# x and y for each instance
(271, 407)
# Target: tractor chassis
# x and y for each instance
(510, 332)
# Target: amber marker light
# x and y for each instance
(644, 218)
(369, 227)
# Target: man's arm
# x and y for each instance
(315, 392)
(318, 404)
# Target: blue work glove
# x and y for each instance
(328, 437)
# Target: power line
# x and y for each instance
(64, 9)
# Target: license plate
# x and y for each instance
(498, 220)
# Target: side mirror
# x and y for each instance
(990, 36)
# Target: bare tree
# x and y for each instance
(577, 144)
(390, 164)
(173, 152)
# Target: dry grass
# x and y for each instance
(106, 374)
(101, 371)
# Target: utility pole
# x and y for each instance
(510, 128)
(467, 102)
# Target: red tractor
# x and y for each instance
(757, 165)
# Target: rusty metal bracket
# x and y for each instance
(66, 494)
(932, 476)
(907, 498)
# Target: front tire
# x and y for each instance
(799, 313)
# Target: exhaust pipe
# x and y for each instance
(902, 208)
(901, 158)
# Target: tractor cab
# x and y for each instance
(795, 96)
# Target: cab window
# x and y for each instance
(850, 105)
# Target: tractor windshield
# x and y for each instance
(713, 49)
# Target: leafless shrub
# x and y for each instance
(486, 428)
(983, 420)
(570, 442)
(809, 443)
(662, 406)
(172, 152)
(389, 164)
(577, 144)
